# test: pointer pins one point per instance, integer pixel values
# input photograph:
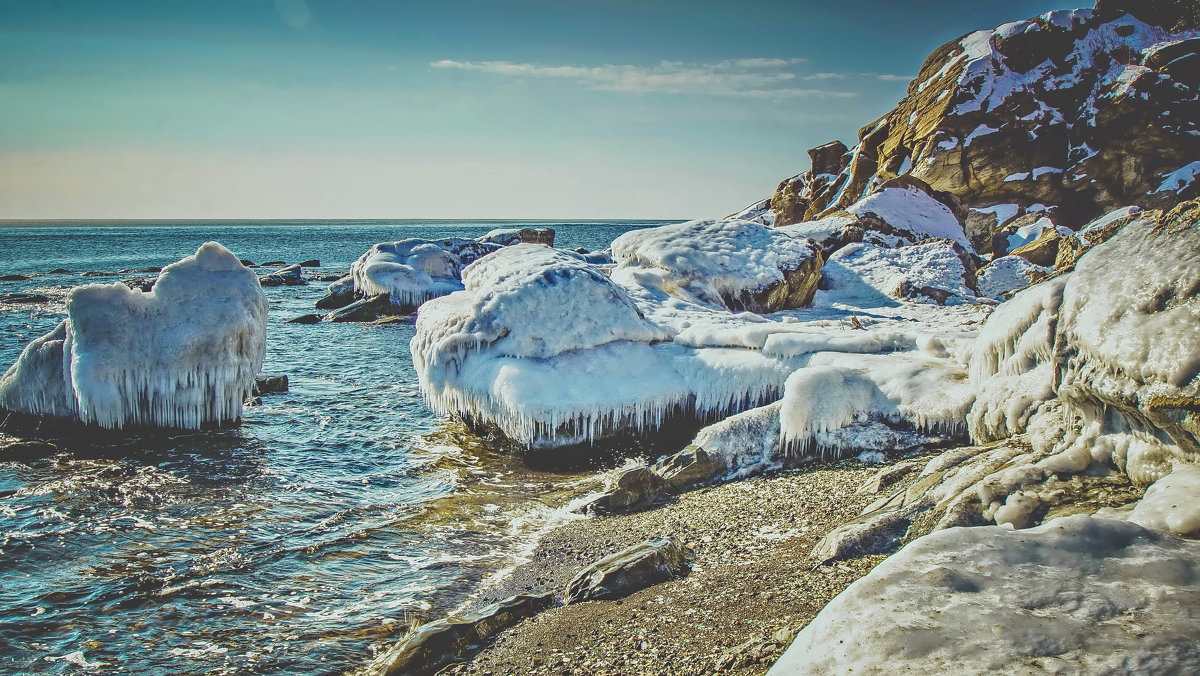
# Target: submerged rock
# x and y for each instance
(434, 645)
(368, 310)
(630, 570)
(311, 263)
(264, 384)
(306, 319)
(23, 298)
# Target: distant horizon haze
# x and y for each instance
(534, 109)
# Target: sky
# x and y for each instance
(449, 109)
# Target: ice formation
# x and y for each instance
(183, 355)
(724, 264)
(1078, 595)
(410, 271)
(1172, 503)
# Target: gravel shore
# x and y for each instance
(752, 587)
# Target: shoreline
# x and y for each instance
(753, 585)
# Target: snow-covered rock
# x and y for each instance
(930, 272)
(183, 355)
(1078, 595)
(1006, 274)
(1172, 503)
(725, 264)
(410, 272)
(1078, 111)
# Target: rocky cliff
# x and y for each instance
(1068, 115)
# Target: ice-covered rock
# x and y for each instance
(1078, 595)
(410, 272)
(510, 236)
(1172, 503)
(726, 264)
(183, 355)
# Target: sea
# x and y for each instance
(312, 536)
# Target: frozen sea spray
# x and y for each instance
(183, 355)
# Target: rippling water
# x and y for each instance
(297, 544)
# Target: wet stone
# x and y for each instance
(630, 570)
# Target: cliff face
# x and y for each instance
(1078, 111)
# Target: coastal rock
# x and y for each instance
(630, 570)
(369, 310)
(633, 490)
(690, 467)
(59, 271)
(13, 278)
(727, 264)
(288, 276)
(510, 236)
(264, 384)
(339, 294)
(1007, 274)
(306, 319)
(434, 645)
(183, 355)
(1075, 110)
(311, 263)
(1078, 594)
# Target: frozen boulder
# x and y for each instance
(1078, 595)
(726, 264)
(410, 272)
(1172, 503)
(510, 236)
(183, 355)
(630, 570)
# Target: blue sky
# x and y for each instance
(452, 109)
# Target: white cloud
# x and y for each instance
(824, 76)
(761, 78)
(894, 78)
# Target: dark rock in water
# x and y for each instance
(97, 273)
(145, 284)
(305, 319)
(368, 310)
(253, 401)
(311, 263)
(269, 264)
(264, 384)
(325, 278)
(23, 298)
(434, 645)
(27, 450)
(690, 467)
(13, 278)
(635, 489)
(289, 276)
(131, 271)
(59, 271)
(339, 294)
(630, 570)
(249, 264)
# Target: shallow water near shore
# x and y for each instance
(335, 515)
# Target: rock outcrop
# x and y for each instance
(630, 570)
(1078, 112)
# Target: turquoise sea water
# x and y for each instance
(297, 544)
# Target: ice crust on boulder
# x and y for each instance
(410, 271)
(1078, 595)
(719, 263)
(183, 355)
